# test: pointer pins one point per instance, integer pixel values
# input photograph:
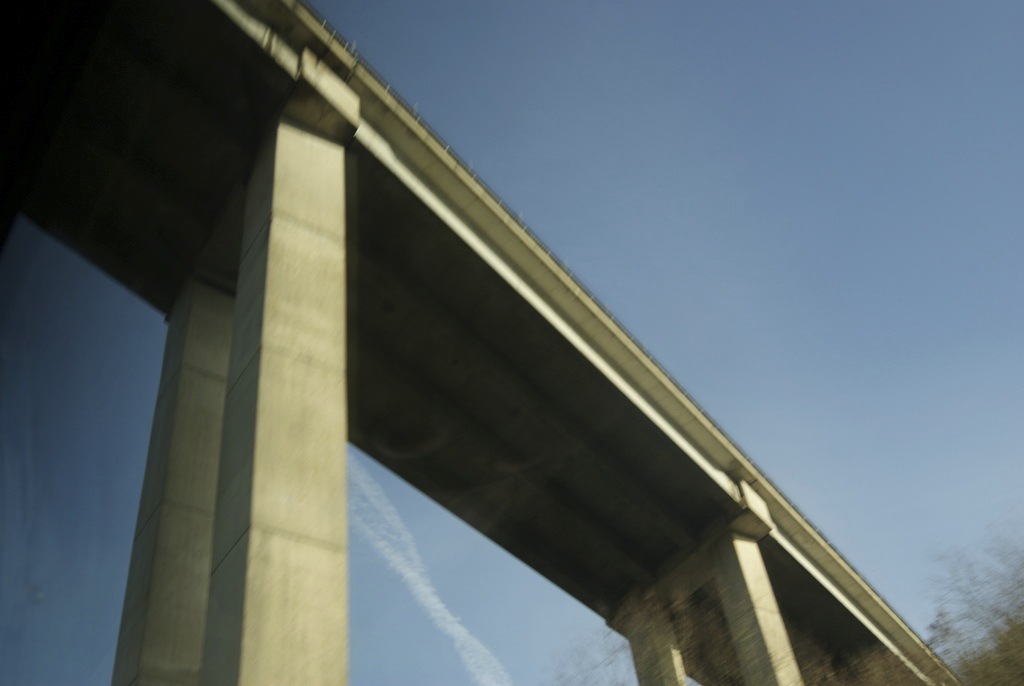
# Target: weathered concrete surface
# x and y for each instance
(645, 621)
(478, 369)
(278, 607)
(755, 622)
(164, 614)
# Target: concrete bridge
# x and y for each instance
(333, 273)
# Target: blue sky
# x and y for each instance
(810, 213)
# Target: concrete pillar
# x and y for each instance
(161, 637)
(278, 598)
(752, 613)
(645, 622)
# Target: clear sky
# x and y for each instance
(810, 213)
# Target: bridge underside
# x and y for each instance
(456, 382)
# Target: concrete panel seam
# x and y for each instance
(297, 357)
(184, 507)
(281, 533)
(256, 238)
(254, 357)
(227, 553)
(203, 372)
(337, 237)
(167, 379)
(142, 527)
(298, 538)
(308, 360)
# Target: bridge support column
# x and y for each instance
(752, 613)
(647, 624)
(278, 598)
(161, 637)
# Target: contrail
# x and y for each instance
(377, 521)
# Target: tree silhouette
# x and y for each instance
(979, 626)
